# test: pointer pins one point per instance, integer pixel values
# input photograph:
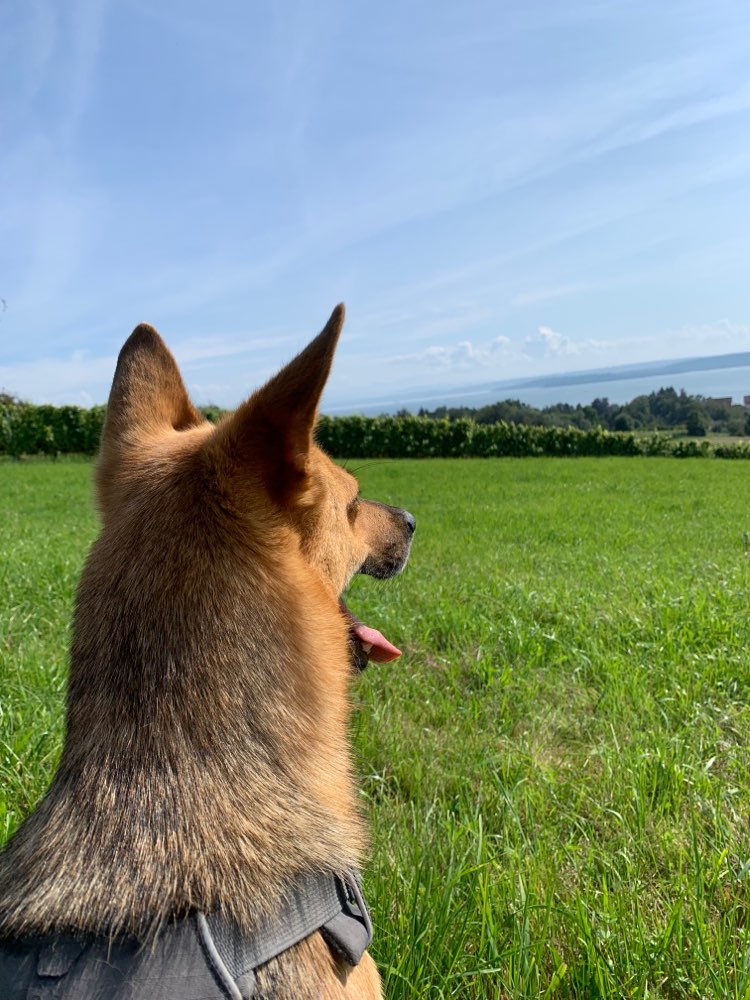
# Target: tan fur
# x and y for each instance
(309, 972)
(206, 760)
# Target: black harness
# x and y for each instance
(203, 957)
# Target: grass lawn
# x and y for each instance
(557, 772)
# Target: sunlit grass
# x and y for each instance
(48, 523)
(557, 772)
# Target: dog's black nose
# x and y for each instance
(411, 524)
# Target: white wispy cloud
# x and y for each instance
(83, 378)
(548, 294)
(52, 211)
(77, 379)
(544, 345)
(549, 351)
(463, 355)
(722, 336)
(84, 43)
(548, 343)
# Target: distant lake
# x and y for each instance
(734, 382)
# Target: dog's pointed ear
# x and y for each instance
(148, 394)
(273, 430)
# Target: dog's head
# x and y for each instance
(259, 468)
(206, 763)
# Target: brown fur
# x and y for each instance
(206, 761)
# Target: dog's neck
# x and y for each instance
(197, 772)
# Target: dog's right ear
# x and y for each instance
(148, 395)
(272, 433)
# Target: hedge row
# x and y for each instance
(422, 437)
(26, 429)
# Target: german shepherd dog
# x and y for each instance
(206, 765)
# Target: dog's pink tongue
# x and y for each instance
(382, 651)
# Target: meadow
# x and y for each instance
(557, 771)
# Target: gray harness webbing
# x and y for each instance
(199, 958)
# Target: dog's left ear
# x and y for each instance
(148, 395)
(275, 426)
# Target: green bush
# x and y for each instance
(26, 429)
(424, 437)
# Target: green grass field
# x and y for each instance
(557, 772)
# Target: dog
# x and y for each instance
(205, 798)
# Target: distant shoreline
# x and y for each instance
(717, 376)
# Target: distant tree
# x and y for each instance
(640, 412)
(623, 422)
(696, 422)
(735, 426)
(716, 410)
(590, 415)
(212, 412)
(601, 406)
(667, 408)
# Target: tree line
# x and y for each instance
(665, 410)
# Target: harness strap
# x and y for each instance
(203, 956)
(318, 901)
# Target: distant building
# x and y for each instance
(723, 400)
(746, 402)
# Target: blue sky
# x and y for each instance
(495, 190)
